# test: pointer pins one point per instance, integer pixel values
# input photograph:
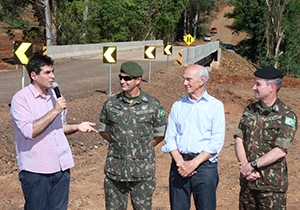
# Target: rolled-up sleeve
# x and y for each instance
(218, 130)
(159, 131)
(159, 124)
(22, 116)
(171, 133)
(103, 125)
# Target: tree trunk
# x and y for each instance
(274, 34)
(85, 15)
(184, 23)
(195, 26)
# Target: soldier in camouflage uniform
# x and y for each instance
(133, 122)
(262, 140)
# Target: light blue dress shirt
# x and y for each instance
(197, 126)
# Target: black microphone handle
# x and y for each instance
(56, 90)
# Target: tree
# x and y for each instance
(274, 31)
(196, 13)
(11, 13)
(271, 27)
(165, 15)
(249, 17)
(290, 59)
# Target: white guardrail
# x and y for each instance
(66, 51)
(190, 55)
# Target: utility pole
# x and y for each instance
(48, 23)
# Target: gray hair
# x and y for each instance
(203, 72)
(277, 82)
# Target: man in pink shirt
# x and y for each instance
(43, 154)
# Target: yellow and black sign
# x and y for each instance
(110, 54)
(168, 49)
(189, 39)
(150, 52)
(22, 52)
(179, 59)
(44, 50)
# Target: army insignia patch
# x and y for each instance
(162, 112)
(290, 121)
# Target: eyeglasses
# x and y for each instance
(126, 78)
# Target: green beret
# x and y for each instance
(132, 68)
(268, 73)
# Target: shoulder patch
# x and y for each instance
(162, 112)
(289, 121)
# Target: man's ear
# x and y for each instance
(138, 80)
(273, 87)
(33, 75)
(203, 78)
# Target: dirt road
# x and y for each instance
(224, 28)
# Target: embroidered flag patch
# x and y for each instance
(162, 112)
(290, 121)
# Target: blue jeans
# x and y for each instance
(45, 191)
(203, 185)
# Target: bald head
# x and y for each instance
(199, 70)
(195, 78)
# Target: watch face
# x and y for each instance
(253, 164)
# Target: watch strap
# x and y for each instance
(254, 165)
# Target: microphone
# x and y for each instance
(56, 90)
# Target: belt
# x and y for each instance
(189, 156)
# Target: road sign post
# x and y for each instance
(167, 64)
(23, 76)
(22, 53)
(110, 79)
(110, 56)
(168, 52)
(150, 53)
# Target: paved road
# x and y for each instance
(77, 76)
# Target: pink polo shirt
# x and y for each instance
(50, 151)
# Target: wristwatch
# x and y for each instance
(254, 165)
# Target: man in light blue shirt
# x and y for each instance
(194, 138)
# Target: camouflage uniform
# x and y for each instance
(132, 125)
(262, 129)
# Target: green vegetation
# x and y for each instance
(274, 28)
(94, 21)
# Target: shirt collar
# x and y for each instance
(37, 94)
(205, 97)
(274, 107)
(141, 98)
